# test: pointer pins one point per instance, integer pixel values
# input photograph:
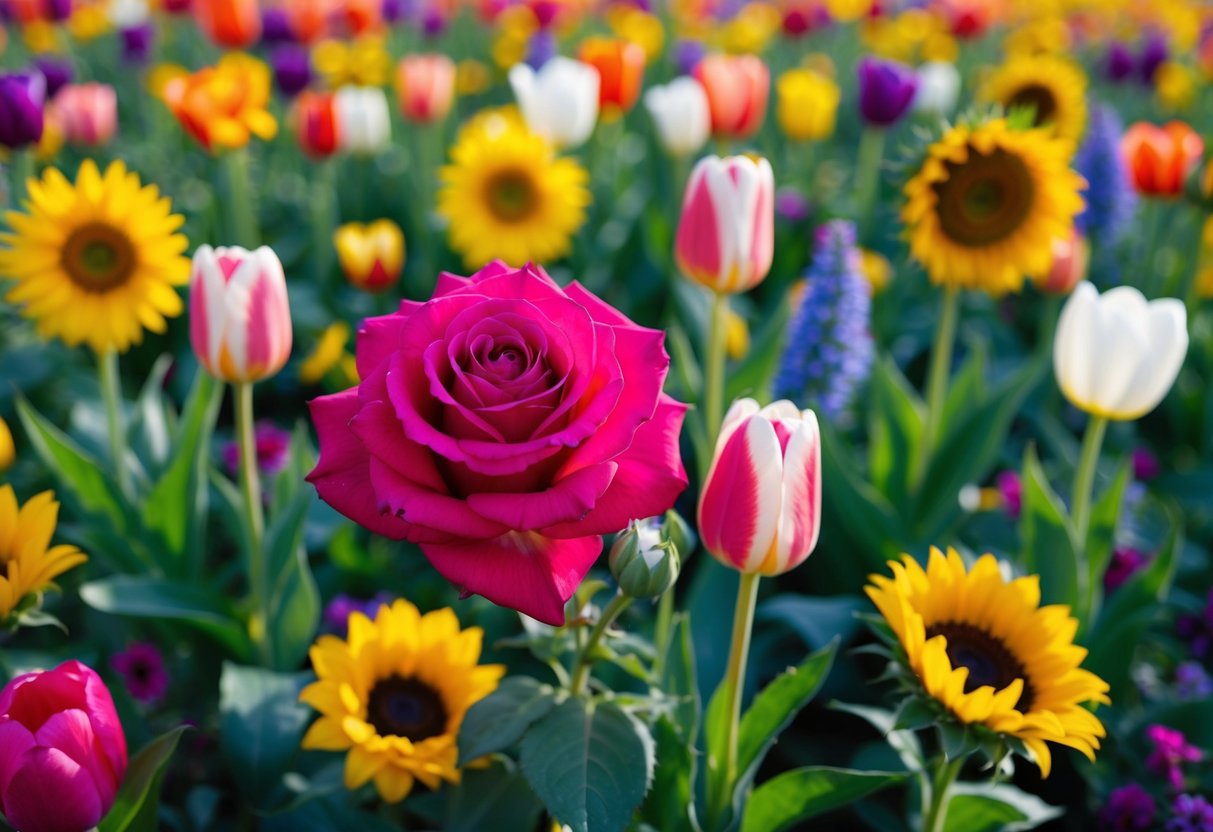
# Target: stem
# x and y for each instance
(937, 378)
(713, 388)
(935, 810)
(250, 487)
(1153, 222)
(867, 178)
(21, 164)
(324, 212)
(1084, 477)
(241, 215)
(581, 671)
(661, 632)
(734, 680)
(111, 392)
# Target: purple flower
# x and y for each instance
(1010, 488)
(276, 26)
(1154, 53)
(1129, 809)
(1118, 62)
(58, 10)
(886, 90)
(792, 205)
(137, 43)
(292, 69)
(22, 96)
(1192, 681)
(1126, 562)
(273, 444)
(1145, 464)
(540, 49)
(433, 22)
(337, 613)
(57, 72)
(142, 670)
(393, 11)
(1171, 751)
(687, 55)
(1197, 630)
(1190, 813)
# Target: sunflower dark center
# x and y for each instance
(406, 707)
(98, 257)
(511, 196)
(1040, 98)
(985, 199)
(989, 660)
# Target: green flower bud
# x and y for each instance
(644, 560)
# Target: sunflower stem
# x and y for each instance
(585, 659)
(250, 487)
(867, 178)
(937, 379)
(936, 799)
(111, 392)
(240, 213)
(1084, 478)
(734, 681)
(713, 388)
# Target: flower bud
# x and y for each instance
(231, 23)
(807, 104)
(1159, 159)
(620, 65)
(22, 96)
(886, 90)
(644, 560)
(316, 125)
(1071, 254)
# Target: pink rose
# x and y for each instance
(504, 426)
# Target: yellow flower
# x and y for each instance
(30, 564)
(807, 104)
(225, 105)
(1053, 87)
(876, 269)
(983, 210)
(751, 29)
(52, 140)
(987, 651)
(507, 195)
(8, 450)
(371, 255)
(97, 261)
(161, 75)
(363, 63)
(639, 27)
(394, 694)
(1175, 85)
(327, 354)
(471, 77)
(846, 11)
(1043, 36)
(41, 37)
(736, 335)
(89, 21)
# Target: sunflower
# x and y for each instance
(987, 651)
(1053, 87)
(985, 206)
(97, 261)
(508, 196)
(394, 694)
(28, 563)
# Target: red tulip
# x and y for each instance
(620, 65)
(425, 87)
(738, 87)
(1159, 159)
(231, 23)
(316, 123)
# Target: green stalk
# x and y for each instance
(936, 799)
(324, 215)
(867, 178)
(250, 487)
(111, 392)
(1084, 477)
(581, 670)
(937, 378)
(240, 213)
(713, 387)
(22, 166)
(662, 632)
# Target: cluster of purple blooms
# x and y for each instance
(1110, 198)
(1132, 808)
(1122, 64)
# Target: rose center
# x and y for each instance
(1039, 98)
(511, 195)
(98, 258)
(985, 199)
(406, 707)
(989, 660)
(506, 363)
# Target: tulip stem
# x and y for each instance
(23, 170)
(1084, 477)
(111, 392)
(734, 682)
(937, 797)
(241, 216)
(585, 659)
(937, 378)
(867, 178)
(250, 487)
(713, 388)
(324, 211)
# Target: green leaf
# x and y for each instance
(982, 807)
(137, 802)
(904, 742)
(590, 763)
(966, 387)
(151, 428)
(294, 601)
(854, 511)
(679, 680)
(795, 796)
(261, 723)
(1101, 536)
(497, 797)
(145, 596)
(818, 621)
(752, 375)
(499, 720)
(1048, 539)
(894, 431)
(670, 804)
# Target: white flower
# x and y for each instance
(938, 88)
(1116, 355)
(560, 101)
(680, 111)
(126, 14)
(364, 123)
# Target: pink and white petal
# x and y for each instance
(738, 513)
(800, 509)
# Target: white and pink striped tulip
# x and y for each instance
(761, 506)
(726, 235)
(240, 320)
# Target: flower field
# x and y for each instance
(649, 415)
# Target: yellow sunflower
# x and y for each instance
(508, 196)
(1053, 87)
(28, 563)
(987, 650)
(95, 262)
(983, 210)
(394, 694)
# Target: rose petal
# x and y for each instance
(415, 504)
(568, 499)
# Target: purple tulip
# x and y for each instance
(1118, 62)
(886, 90)
(58, 10)
(1154, 53)
(22, 96)
(276, 26)
(687, 54)
(433, 23)
(540, 49)
(292, 69)
(58, 74)
(137, 43)
(393, 11)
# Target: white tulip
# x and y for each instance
(126, 14)
(1116, 355)
(938, 88)
(680, 111)
(560, 101)
(363, 119)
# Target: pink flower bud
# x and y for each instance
(761, 505)
(240, 320)
(62, 750)
(726, 235)
(87, 113)
(425, 85)
(1071, 255)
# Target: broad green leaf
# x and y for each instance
(1101, 535)
(795, 796)
(905, 743)
(965, 388)
(142, 596)
(590, 763)
(671, 802)
(894, 431)
(752, 375)
(981, 807)
(137, 803)
(294, 611)
(325, 814)
(150, 430)
(497, 797)
(500, 719)
(818, 621)
(1047, 536)
(678, 679)
(856, 515)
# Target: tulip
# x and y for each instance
(425, 87)
(560, 101)
(240, 320)
(363, 118)
(938, 88)
(807, 104)
(620, 65)
(738, 87)
(680, 111)
(8, 449)
(726, 235)
(137, 43)
(1159, 159)
(22, 96)
(124, 14)
(57, 72)
(87, 113)
(62, 750)
(316, 125)
(1071, 254)
(761, 507)
(372, 255)
(886, 90)
(1116, 355)
(292, 69)
(231, 23)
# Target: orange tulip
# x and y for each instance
(316, 124)
(231, 23)
(1159, 159)
(425, 87)
(620, 65)
(738, 87)
(308, 19)
(224, 106)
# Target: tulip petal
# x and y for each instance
(51, 792)
(738, 514)
(15, 740)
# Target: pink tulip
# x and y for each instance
(726, 235)
(87, 113)
(240, 320)
(761, 505)
(1071, 255)
(738, 87)
(425, 85)
(62, 750)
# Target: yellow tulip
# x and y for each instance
(8, 451)
(372, 255)
(807, 104)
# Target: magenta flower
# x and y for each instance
(273, 446)
(1126, 562)
(1190, 813)
(1129, 809)
(1145, 464)
(142, 670)
(22, 96)
(1010, 489)
(886, 91)
(504, 426)
(1171, 751)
